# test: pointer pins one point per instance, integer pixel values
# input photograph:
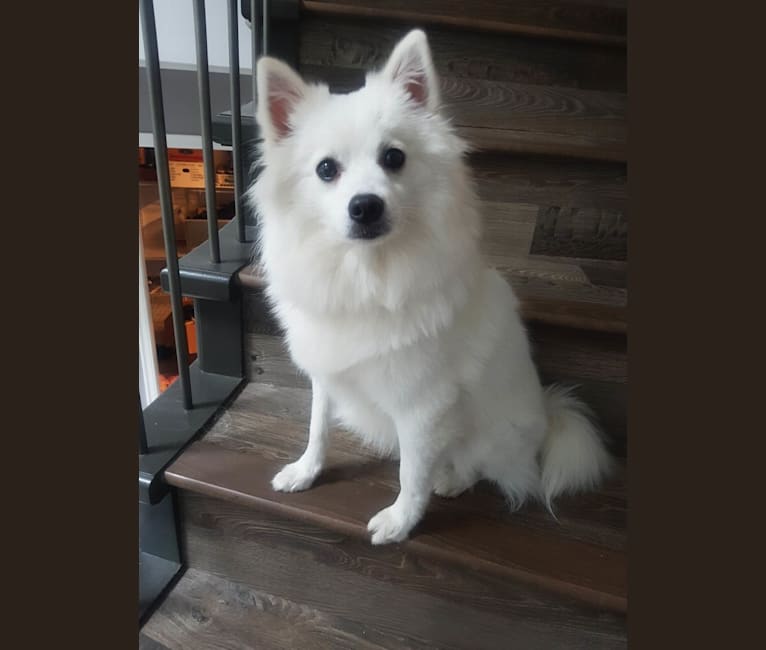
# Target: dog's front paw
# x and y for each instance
(390, 525)
(295, 477)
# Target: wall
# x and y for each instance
(175, 36)
(177, 49)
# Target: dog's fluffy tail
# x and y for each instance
(573, 454)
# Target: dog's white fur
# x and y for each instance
(409, 339)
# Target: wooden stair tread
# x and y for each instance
(582, 556)
(584, 143)
(581, 306)
(596, 21)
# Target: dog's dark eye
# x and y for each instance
(392, 159)
(327, 169)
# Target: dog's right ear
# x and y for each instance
(280, 89)
(410, 66)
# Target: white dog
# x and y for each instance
(370, 245)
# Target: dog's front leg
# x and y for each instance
(421, 443)
(301, 474)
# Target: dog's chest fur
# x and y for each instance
(377, 367)
(382, 358)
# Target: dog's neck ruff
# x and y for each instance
(332, 340)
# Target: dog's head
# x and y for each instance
(364, 167)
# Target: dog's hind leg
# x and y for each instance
(451, 480)
(517, 475)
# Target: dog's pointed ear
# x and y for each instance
(411, 66)
(280, 89)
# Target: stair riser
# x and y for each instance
(356, 45)
(384, 590)
(590, 22)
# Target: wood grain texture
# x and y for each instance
(522, 118)
(583, 306)
(599, 21)
(345, 49)
(594, 121)
(579, 355)
(266, 427)
(550, 182)
(547, 306)
(606, 273)
(391, 594)
(580, 292)
(577, 232)
(586, 145)
(513, 192)
(469, 539)
(560, 268)
(207, 612)
(508, 116)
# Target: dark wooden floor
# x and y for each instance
(206, 612)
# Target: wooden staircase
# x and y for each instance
(539, 89)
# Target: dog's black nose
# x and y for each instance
(366, 208)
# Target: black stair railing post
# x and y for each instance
(203, 80)
(265, 27)
(255, 48)
(236, 117)
(163, 181)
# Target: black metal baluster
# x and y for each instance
(203, 79)
(265, 28)
(166, 205)
(254, 49)
(236, 118)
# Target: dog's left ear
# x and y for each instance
(410, 65)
